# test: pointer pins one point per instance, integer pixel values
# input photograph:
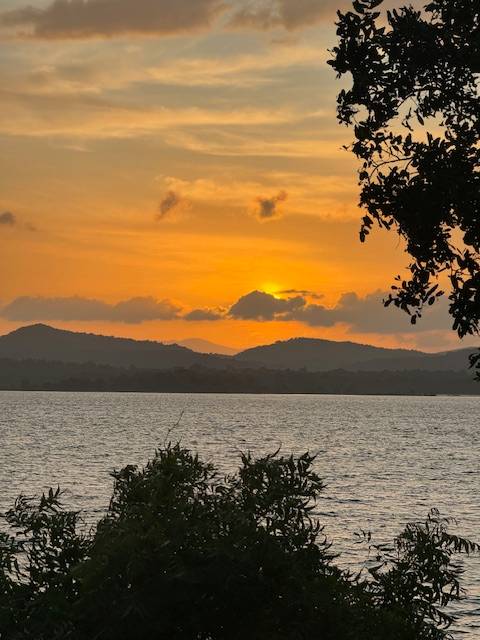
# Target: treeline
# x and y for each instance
(37, 375)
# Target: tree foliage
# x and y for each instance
(414, 105)
(186, 554)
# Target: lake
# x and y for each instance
(386, 460)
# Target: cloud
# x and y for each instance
(315, 315)
(259, 305)
(7, 219)
(301, 292)
(360, 314)
(84, 19)
(81, 19)
(287, 14)
(308, 194)
(137, 310)
(102, 118)
(268, 207)
(133, 311)
(171, 201)
(292, 15)
(241, 70)
(203, 315)
(368, 315)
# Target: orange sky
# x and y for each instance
(184, 157)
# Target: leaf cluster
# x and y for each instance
(414, 106)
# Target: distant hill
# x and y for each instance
(321, 355)
(205, 346)
(447, 361)
(327, 355)
(41, 342)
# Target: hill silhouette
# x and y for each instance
(206, 346)
(326, 355)
(42, 342)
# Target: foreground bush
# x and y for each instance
(185, 554)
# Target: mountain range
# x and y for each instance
(42, 342)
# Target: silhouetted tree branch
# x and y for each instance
(414, 106)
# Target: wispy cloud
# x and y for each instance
(89, 73)
(250, 143)
(240, 70)
(291, 15)
(70, 116)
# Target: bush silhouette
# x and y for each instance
(184, 553)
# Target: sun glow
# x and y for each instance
(272, 288)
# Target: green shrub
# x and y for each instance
(186, 554)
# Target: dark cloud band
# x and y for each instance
(204, 315)
(133, 311)
(82, 19)
(359, 314)
(107, 18)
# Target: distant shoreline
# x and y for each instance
(34, 375)
(245, 393)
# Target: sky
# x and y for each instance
(173, 170)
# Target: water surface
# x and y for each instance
(386, 460)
